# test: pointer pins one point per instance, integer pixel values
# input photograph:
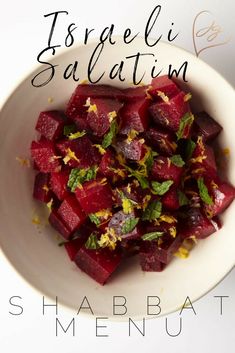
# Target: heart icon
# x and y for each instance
(206, 32)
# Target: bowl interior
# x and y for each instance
(33, 250)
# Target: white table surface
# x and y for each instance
(23, 33)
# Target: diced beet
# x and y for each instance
(134, 116)
(206, 126)
(86, 154)
(82, 124)
(117, 222)
(41, 190)
(164, 169)
(196, 224)
(44, 155)
(73, 246)
(222, 195)
(78, 100)
(134, 93)
(133, 150)
(58, 184)
(165, 85)
(162, 140)
(148, 260)
(111, 168)
(169, 114)
(50, 124)
(71, 213)
(207, 165)
(100, 119)
(57, 223)
(171, 200)
(164, 250)
(94, 196)
(98, 264)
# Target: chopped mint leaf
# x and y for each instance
(149, 161)
(203, 191)
(69, 129)
(183, 200)
(78, 176)
(185, 122)
(177, 160)
(94, 219)
(108, 138)
(190, 147)
(141, 179)
(161, 188)
(92, 242)
(152, 236)
(129, 225)
(153, 211)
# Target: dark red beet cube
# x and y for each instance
(71, 213)
(133, 150)
(98, 264)
(222, 195)
(73, 246)
(170, 200)
(94, 196)
(57, 223)
(100, 119)
(161, 139)
(206, 126)
(196, 224)
(50, 124)
(58, 184)
(164, 169)
(86, 154)
(148, 260)
(83, 92)
(118, 221)
(165, 85)
(82, 124)
(131, 94)
(134, 116)
(41, 190)
(169, 114)
(44, 155)
(207, 164)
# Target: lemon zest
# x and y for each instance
(106, 213)
(173, 232)
(109, 239)
(112, 115)
(163, 96)
(100, 148)
(45, 188)
(182, 253)
(36, 220)
(187, 97)
(145, 202)
(214, 185)
(131, 135)
(70, 155)
(199, 159)
(76, 135)
(49, 204)
(167, 219)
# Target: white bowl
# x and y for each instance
(33, 251)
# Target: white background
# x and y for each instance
(23, 34)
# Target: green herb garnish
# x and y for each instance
(69, 129)
(177, 160)
(108, 138)
(183, 200)
(153, 211)
(78, 176)
(152, 236)
(203, 191)
(129, 225)
(185, 122)
(92, 241)
(161, 188)
(136, 174)
(190, 147)
(94, 219)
